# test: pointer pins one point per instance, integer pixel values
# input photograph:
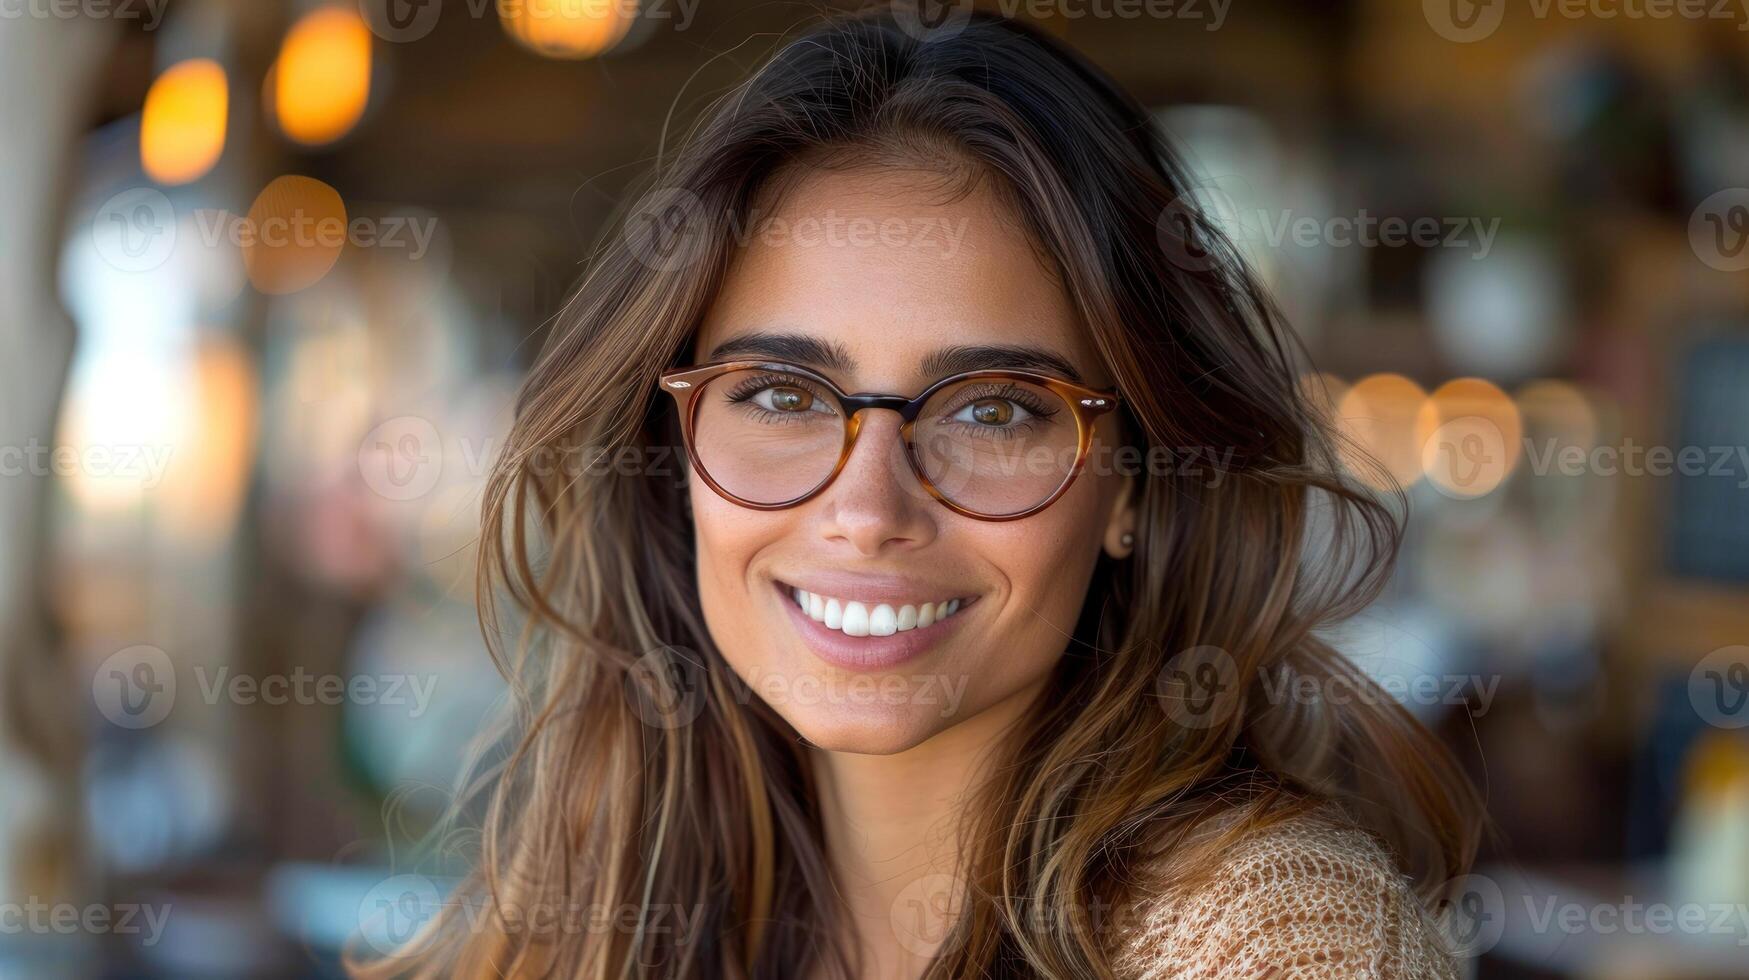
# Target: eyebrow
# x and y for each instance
(958, 359)
(999, 357)
(799, 348)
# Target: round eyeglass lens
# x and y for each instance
(767, 437)
(996, 446)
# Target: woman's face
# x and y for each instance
(881, 273)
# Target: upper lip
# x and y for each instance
(876, 587)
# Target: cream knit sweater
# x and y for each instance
(1309, 897)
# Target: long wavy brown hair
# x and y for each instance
(644, 779)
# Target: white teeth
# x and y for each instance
(883, 621)
(871, 619)
(855, 619)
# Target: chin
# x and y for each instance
(867, 731)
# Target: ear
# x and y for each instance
(1120, 529)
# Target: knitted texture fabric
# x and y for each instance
(1309, 897)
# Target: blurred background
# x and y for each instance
(270, 270)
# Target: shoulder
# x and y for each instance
(1310, 896)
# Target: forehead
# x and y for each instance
(891, 266)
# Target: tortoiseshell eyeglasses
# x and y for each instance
(993, 445)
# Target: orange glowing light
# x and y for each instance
(182, 128)
(295, 232)
(1377, 420)
(203, 492)
(322, 77)
(568, 28)
(1470, 435)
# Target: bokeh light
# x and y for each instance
(295, 232)
(205, 482)
(322, 78)
(1378, 418)
(182, 127)
(569, 28)
(1470, 436)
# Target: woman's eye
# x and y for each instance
(786, 400)
(994, 412)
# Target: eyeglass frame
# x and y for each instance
(1087, 405)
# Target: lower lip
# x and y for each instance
(867, 652)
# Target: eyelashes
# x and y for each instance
(1007, 391)
(1030, 411)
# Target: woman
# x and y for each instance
(955, 644)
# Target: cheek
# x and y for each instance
(727, 537)
(1049, 557)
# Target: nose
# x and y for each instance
(876, 503)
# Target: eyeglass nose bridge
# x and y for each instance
(854, 408)
(906, 407)
(855, 405)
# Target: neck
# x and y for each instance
(892, 828)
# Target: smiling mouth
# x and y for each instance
(853, 617)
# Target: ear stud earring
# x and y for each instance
(1128, 539)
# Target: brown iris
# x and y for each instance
(993, 411)
(791, 399)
